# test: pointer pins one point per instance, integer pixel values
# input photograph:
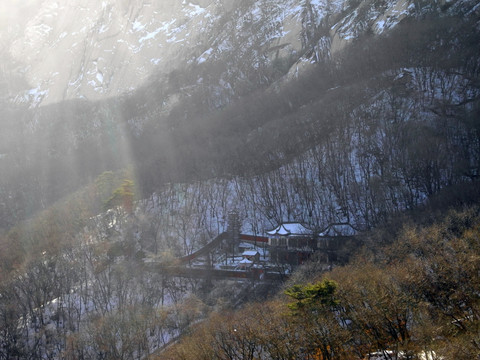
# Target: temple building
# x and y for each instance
(291, 243)
(335, 240)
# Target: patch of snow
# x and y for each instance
(44, 29)
(202, 58)
(99, 77)
(151, 35)
(339, 230)
(78, 80)
(380, 25)
(193, 10)
(290, 229)
(346, 27)
(138, 26)
(103, 29)
(33, 96)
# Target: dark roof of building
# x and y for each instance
(340, 229)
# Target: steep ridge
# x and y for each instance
(94, 50)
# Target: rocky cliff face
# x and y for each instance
(93, 49)
(54, 51)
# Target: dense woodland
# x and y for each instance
(384, 135)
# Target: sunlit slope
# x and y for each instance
(98, 49)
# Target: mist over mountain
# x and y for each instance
(96, 50)
(193, 90)
(99, 49)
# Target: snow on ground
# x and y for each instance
(192, 10)
(202, 58)
(33, 97)
(165, 26)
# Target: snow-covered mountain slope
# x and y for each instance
(93, 49)
(261, 82)
(97, 49)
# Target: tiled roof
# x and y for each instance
(288, 229)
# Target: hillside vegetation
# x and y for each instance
(415, 298)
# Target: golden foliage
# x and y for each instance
(419, 296)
